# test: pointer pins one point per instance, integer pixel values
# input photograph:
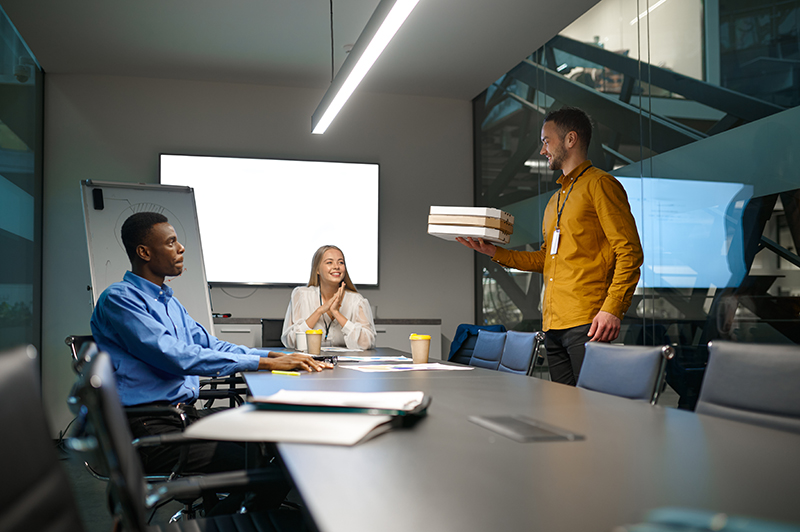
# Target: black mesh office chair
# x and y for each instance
(211, 388)
(752, 383)
(85, 352)
(271, 331)
(632, 371)
(131, 497)
(35, 490)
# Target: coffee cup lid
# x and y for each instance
(415, 336)
(314, 331)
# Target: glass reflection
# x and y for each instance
(695, 107)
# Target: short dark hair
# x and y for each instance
(569, 119)
(136, 228)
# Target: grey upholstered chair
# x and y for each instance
(753, 383)
(632, 371)
(488, 350)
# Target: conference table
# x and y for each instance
(448, 473)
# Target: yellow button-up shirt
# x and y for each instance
(596, 265)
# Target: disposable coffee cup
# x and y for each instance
(420, 347)
(300, 341)
(313, 341)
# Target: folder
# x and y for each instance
(251, 424)
(413, 403)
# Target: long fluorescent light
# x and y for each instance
(382, 26)
(647, 12)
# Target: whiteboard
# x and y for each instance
(108, 261)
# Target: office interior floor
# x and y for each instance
(90, 493)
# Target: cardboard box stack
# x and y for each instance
(492, 225)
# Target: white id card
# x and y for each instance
(554, 243)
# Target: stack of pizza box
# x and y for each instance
(492, 225)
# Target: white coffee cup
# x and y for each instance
(300, 341)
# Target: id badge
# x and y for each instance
(554, 243)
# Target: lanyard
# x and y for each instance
(559, 207)
(327, 325)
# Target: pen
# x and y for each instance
(292, 373)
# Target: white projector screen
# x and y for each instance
(261, 220)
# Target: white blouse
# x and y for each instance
(358, 332)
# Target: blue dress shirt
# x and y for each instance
(157, 349)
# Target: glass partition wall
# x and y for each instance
(21, 100)
(695, 106)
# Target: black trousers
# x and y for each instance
(565, 351)
(206, 457)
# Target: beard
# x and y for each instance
(557, 159)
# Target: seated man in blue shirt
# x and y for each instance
(158, 350)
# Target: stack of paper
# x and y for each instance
(492, 225)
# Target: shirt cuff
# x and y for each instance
(501, 255)
(251, 361)
(348, 328)
(614, 306)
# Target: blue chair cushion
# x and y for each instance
(488, 350)
(463, 343)
(517, 352)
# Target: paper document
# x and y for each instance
(434, 366)
(340, 350)
(379, 400)
(248, 423)
(374, 359)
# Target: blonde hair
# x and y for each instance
(313, 279)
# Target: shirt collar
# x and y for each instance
(150, 289)
(568, 178)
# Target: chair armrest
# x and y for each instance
(232, 393)
(232, 481)
(230, 380)
(167, 438)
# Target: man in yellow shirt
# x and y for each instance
(591, 254)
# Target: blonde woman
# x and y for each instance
(330, 303)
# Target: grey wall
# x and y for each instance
(113, 128)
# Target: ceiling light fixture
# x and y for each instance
(382, 26)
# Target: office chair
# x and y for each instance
(488, 349)
(463, 344)
(131, 497)
(520, 352)
(271, 331)
(84, 356)
(752, 383)
(35, 490)
(632, 371)
(209, 387)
